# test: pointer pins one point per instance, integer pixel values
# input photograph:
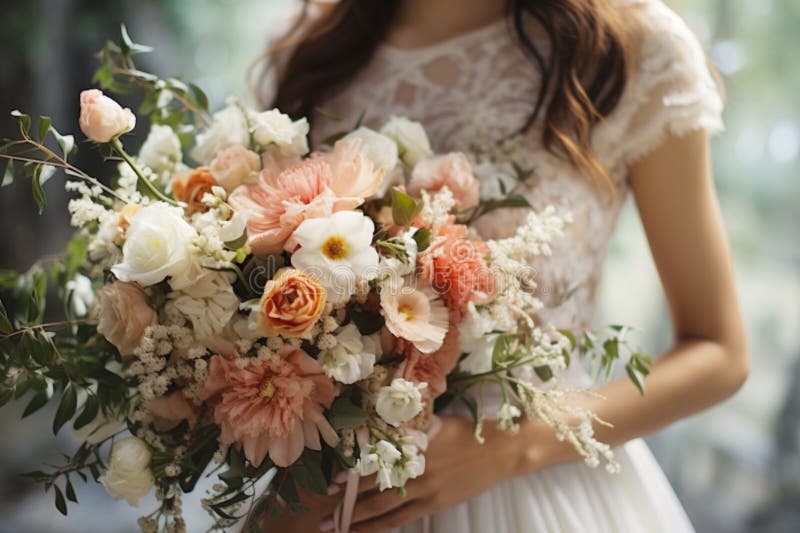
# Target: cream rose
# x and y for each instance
(157, 245)
(123, 315)
(292, 303)
(235, 165)
(410, 137)
(453, 171)
(228, 128)
(102, 118)
(400, 401)
(273, 128)
(128, 476)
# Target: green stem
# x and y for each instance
(117, 145)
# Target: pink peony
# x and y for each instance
(273, 407)
(453, 171)
(313, 188)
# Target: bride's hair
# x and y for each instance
(582, 81)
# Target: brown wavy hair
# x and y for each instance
(582, 81)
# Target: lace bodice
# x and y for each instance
(478, 88)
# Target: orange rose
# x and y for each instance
(190, 187)
(292, 303)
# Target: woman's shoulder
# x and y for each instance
(670, 89)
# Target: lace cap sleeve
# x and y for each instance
(670, 91)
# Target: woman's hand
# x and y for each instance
(457, 468)
(318, 507)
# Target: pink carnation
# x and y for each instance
(272, 407)
(453, 171)
(432, 368)
(313, 188)
(456, 268)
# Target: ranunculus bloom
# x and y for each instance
(456, 268)
(291, 304)
(414, 315)
(123, 315)
(312, 188)
(235, 165)
(102, 118)
(128, 476)
(432, 368)
(190, 187)
(453, 171)
(273, 407)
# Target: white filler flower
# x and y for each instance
(157, 245)
(161, 150)
(337, 251)
(228, 128)
(128, 476)
(400, 401)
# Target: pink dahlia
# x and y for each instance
(272, 407)
(313, 188)
(432, 368)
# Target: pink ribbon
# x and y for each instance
(343, 515)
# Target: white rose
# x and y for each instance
(273, 128)
(80, 294)
(379, 149)
(233, 229)
(228, 128)
(410, 137)
(399, 402)
(161, 150)
(157, 245)
(349, 361)
(128, 476)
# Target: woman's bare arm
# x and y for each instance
(674, 192)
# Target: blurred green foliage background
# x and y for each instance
(736, 467)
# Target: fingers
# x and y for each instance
(375, 504)
(409, 511)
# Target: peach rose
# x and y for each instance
(102, 118)
(170, 410)
(453, 171)
(190, 187)
(292, 303)
(126, 214)
(234, 165)
(123, 315)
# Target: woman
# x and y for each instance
(600, 97)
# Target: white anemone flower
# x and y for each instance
(337, 251)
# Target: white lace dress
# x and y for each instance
(479, 87)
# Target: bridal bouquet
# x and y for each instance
(258, 310)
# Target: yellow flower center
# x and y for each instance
(267, 390)
(335, 248)
(407, 311)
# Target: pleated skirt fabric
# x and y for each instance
(573, 498)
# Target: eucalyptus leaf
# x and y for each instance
(66, 408)
(344, 414)
(44, 126)
(5, 324)
(404, 207)
(37, 402)
(23, 119)
(90, 410)
(61, 504)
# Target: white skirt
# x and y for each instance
(573, 498)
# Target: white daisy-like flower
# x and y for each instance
(337, 251)
(415, 315)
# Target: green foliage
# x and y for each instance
(404, 207)
(344, 414)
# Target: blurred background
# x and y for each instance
(736, 467)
